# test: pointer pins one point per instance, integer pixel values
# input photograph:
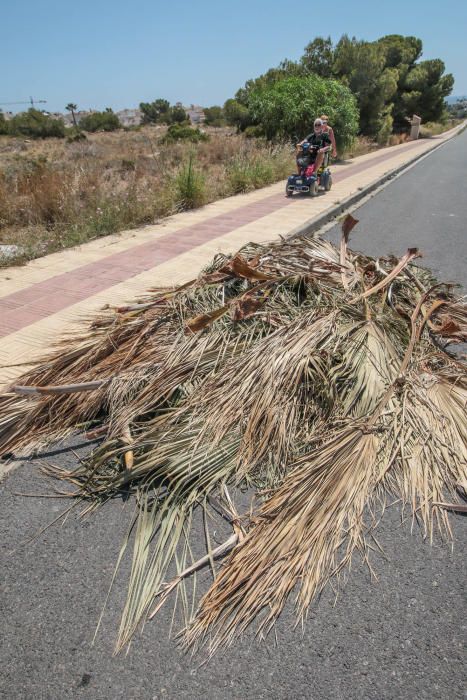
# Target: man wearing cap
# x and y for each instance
(319, 138)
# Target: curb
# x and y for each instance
(317, 222)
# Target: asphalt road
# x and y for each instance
(399, 637)
(425, 208)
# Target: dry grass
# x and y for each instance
(361, 146)
(397, 139)
(430, 129)
(55, 194)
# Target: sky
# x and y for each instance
(117, 54)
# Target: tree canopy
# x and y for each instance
(386, 76)
(214, 116)
(160, 112)
(155, 112)
(288, 107)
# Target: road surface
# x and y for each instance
(399, 637)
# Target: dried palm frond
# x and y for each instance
(318, 376)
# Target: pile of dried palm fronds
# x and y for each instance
(317, 375)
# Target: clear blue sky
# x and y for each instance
(120, 53)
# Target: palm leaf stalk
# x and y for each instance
(320, 377)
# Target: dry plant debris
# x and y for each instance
(318, 376)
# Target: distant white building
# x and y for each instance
(195, 114)
(130, 117)
(68, 119)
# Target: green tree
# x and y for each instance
(319, 57)
(237, 114)
(426, 89)
(71, 107)
(390, 82)
(401, 52)
(386, 76)
(287, 108)
(156, 112)
(176, 115)
(457, 110)
(100, 121)
(362, 66)
(36, 124)
(214, 116)
(286, 69)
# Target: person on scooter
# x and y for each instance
(330, 131)
(319, 138)
(304, 157)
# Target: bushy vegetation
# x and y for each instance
(214, 116)
(100, 121)
(283, 108)
(458, 110)
(236, 114)
(387, 78)
(190, 185)
(183, 132)
(161, 112)
(75, 134)
(33, 124)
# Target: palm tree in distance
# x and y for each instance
(71, 108)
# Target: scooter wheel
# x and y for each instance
(314, 189)
(328, 183)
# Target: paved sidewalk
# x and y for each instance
(50, 296)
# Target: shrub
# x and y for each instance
(160, 112)
(190, 186)
(75, 134)
(385, 129)
(254, 132)
(155, 112)
(177, 115)
(237, 114)
(180, 132)
(100, 121)
(214, 116)
(35, 124)
(287, 108)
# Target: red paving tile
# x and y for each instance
(22, 308)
